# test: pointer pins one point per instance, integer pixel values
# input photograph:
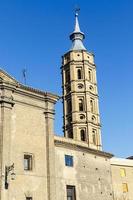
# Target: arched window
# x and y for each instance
(81, 105)
(83, 135)
(94, 136)
(79, 74)
(89, 73)
(92, 105)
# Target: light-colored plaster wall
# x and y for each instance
(26, 127)
(90, 174)
(116, 165)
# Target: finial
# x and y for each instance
(77, 36)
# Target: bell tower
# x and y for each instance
(80, 95)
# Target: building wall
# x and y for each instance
(90, 173)
(119, 178)
(26, 122)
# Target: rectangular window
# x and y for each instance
(125, 187)
(122, 172)
(71, 194)
(69, 160)
(28, 162)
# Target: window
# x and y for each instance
(69, 106)
(67, 76)
(89, 74)
(28, 198)
(81, 106)
(71, 194)
(94, 137)
(79, 74)
(92, 105)
(69, 160)
(83, 135)
(122, 172)
(125, 187)
(27, 162)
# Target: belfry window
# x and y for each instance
(92, 105)
(81, 105)
(90, 75)
(83, 135)
(94, 137)
(79, 74)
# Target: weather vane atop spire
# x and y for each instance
(77, 9)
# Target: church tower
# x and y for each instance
(80, 95)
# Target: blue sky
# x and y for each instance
(34, 34)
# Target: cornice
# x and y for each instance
(78, 147)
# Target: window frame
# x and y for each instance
(29, 159)
(124, 187)
(69, 160)
(83, 135)
(73, 192)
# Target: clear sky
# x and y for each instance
(34, 34)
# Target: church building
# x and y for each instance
(35, 164)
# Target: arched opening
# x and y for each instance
(92, 106)
(83, 135)
(81, 105)
(79, 74)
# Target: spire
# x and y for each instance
(77, 36)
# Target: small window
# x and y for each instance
(122, 172)
(94, 136)
(79, 74)
(89, 74)
(71, 194)
(125, 187)
(92, 105)
(69, 160)
(28, 198)
(27, 162)
(83, 135)
(81, 106)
